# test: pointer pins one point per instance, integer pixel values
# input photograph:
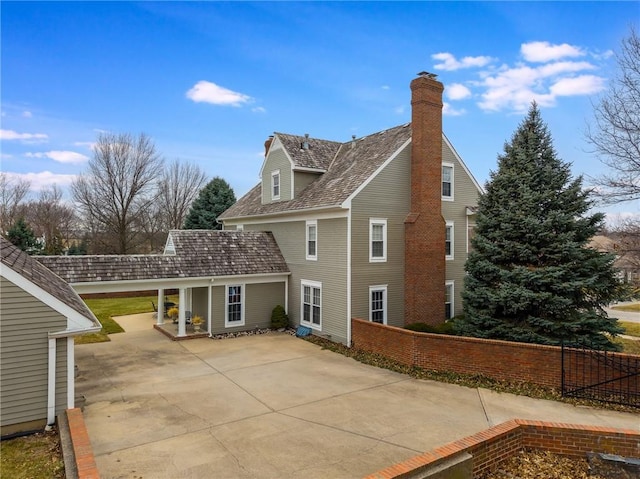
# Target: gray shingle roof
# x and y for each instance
(44, 278)
(199, 253)
(346, 170)
(317, 156)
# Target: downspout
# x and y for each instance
(209, 308)
(71, 373)
(51, 386)
(286, 295)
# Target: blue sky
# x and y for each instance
(209, 81)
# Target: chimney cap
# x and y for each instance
(429, 75)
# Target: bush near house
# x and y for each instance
(279, 318)
(443, 328)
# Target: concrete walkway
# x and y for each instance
(274, 406)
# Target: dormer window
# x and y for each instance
(275, 185)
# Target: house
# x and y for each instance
(39, 316)
(377, 227)
(625, 248)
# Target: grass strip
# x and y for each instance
(36, 456)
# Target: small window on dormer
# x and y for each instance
(275, 185)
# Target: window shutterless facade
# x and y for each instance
(448, 240)
(447, 181)
(234, 306)
(312, 240)
(275, 185)
(448, 300)
(311, 304)
(377, 240)
(378, 304)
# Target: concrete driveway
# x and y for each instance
(274, 406)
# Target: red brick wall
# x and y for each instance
(424, 226)
(492, 446)
(501, 360)
(82, 450)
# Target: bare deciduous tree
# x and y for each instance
(615, 134)
(179, 187)
(12, 194)
(51, 218)
(117, 188)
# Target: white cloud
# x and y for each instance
(208, 92)
(457, 91)
(580, 85)
(43, 179)
(385, 87)
(12, 135)
(87, 144)
(27, 114)
(259, 109)
(515, 88)
(449, 62)
(542, 52)
(5, 155)
(60, 156)
(448, 110)
(399, 110)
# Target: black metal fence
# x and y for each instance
(601, 376)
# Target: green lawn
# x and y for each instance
(37, 456)
(630, 329)
(105, 308)
(635, 308)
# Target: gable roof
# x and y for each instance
(198, 254)
(46, 280)
(351, 165)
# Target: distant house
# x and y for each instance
(377, 227)
(39, 316)
(626, 263)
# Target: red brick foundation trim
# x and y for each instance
(85, 462)
(494, 445)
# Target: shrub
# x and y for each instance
(279, 318)
(442, 328)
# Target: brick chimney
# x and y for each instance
(424, 226)
(267, 145)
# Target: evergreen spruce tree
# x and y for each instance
(531, 276)
(21, 235)
(212, 201)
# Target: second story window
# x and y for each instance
(312, 240)
(447, 182)
(377, 240)
(275, 185)
(448, 240)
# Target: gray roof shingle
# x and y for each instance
(199, 253)
(351, 165)
(44, 278)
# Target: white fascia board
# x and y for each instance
(306, 169)
(251, 279)
(363, 185)
(462, 163)
(76, 322)
(319, 213)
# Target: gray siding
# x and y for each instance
(199, 302)
(465, 194)
(330, 269)
(301, 180)
(388, 197)
(277, 160)
(259, 301)
(25, 323)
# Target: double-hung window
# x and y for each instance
(312, 240)
(378, 304)
(311, 292)
(447, 181)
(448, 240)
(275, 185)
(377, 240)
(234, 306)
(448, 300)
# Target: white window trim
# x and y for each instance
(453, 297)
(449, 224)
(311, 284)
(239, 227)
(383, 222)
(453, 176)
(383, 288)
(309, 223)
(274, 174)
(227, 323)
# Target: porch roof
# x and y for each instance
(198, 254)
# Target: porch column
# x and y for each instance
(182, 304)
(71, 374)
(209, 301)
(160, 315)
(51, 383)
